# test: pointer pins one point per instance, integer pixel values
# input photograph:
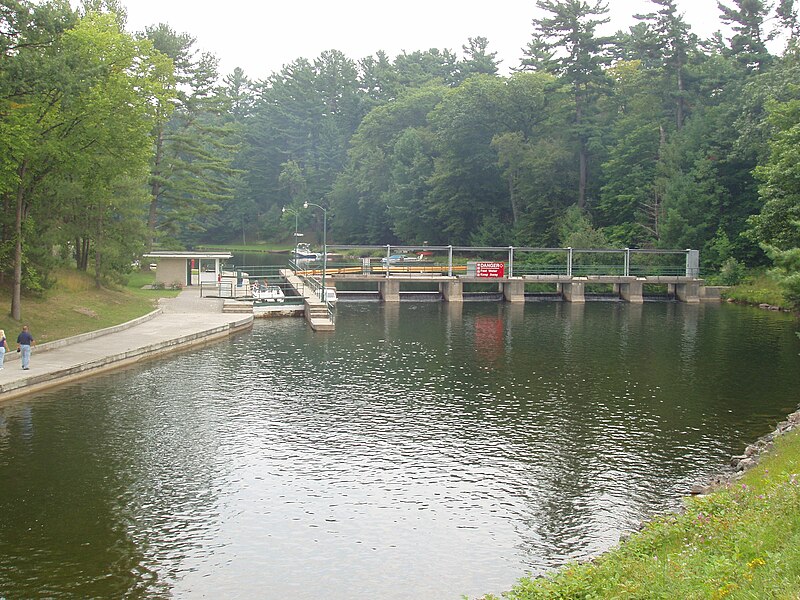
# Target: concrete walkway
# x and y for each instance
(178, 323)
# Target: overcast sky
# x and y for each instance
(261, 36)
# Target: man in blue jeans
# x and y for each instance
(24, 342)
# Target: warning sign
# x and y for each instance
(490, 269)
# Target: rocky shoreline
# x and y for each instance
(748, 459)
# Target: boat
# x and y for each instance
(403, 258)
(267, 293)
(303, 251)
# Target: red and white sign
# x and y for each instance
(490, 269)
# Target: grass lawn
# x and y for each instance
(260, 247)
(74, 305)
(740, 542)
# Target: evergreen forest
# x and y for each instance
(114, 143)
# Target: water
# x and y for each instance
(421, 451)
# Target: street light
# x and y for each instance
(324, 295)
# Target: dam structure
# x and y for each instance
(514, 274)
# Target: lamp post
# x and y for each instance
(324, 295)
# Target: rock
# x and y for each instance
(735, 460)
(763, 305)
(747, 463)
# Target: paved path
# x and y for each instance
(181, 322)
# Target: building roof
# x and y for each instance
(172, 254)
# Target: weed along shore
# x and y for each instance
(738, 536)
(178, 323)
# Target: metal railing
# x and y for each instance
(310, 274)
(238, 283)
(518, 261)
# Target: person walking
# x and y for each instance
(3, 347)
(24, 342)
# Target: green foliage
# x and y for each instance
(787, 274)
(732, 272)
(576, 231)
(76, 99)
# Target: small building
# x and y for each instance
(188, 268)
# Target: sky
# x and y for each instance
(261, 36)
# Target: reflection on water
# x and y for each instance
(420, 451)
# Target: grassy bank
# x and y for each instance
(254, 248)
(757, 289)
(74, 305)
(742, 541)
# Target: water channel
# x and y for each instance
(421, 451)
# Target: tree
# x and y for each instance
(748, 45)
(378, 80)
(34, 81)
(76, 94)
(389, 163)
(671, 44)
(477, 61)
(415, 69)
(466, 185)
(629, 205)
(534, 154)
(565, 44)
(110, 140)
(191, 175)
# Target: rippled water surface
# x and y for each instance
(421, 451)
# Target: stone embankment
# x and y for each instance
(749, 458)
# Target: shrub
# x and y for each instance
(732, 272)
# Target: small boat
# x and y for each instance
(267, 293)
(303, 251)
(403, 258)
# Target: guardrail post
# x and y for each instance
(569, 262)
(627, 268)
(450, 261)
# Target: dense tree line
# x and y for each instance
(652, 137)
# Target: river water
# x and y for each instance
(421, 451)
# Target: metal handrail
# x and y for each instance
(569, 260)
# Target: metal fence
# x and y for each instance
(518, 261)
(239, 283)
